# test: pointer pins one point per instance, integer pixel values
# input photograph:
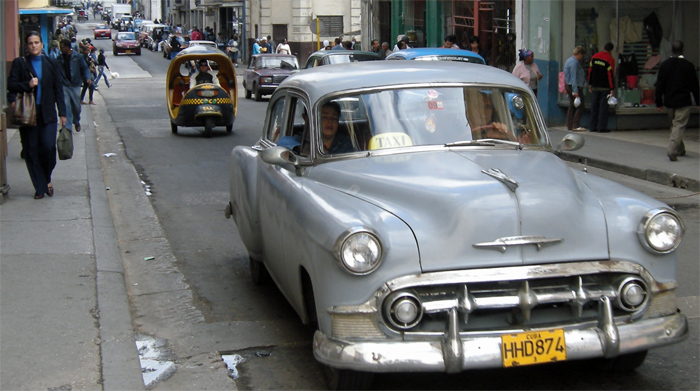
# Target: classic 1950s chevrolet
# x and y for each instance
(417, 213)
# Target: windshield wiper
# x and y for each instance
(483, 142)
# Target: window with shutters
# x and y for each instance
(334, 25)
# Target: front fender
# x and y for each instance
(318, 217)
(624, 209)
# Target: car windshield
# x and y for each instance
(350, 57)
(451, 116)
(125, 36)
(279, 63)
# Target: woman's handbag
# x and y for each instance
(64, 144)
(24, 112)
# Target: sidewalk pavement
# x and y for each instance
(65, 322)
(64, 313)
(638, 153)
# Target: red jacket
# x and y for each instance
(601, 71)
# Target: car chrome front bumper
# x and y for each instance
(457, 353)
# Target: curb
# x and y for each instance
(657, 176)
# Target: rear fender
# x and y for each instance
(243, 198)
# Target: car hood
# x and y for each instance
(459, 215)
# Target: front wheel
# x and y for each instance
(229, 128)
(256, 92)
(208, 126)
(337, 379)
(346, 379)
(622, 363)
(173, 127)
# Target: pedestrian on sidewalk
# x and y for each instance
(527, 70)
(42, 75)
(91, 61)
(575, 80)
(675, 83)
(75, 72)
(101, 65)
(601, 85)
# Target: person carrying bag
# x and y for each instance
(40, 76)
(24, 110)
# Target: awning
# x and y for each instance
(45, 11)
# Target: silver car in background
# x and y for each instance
(440, 232)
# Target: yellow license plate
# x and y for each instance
(534, 347)
(128, 51)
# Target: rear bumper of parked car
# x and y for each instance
(454, 352)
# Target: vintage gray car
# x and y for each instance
(418, 213)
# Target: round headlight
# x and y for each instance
(359, 252)
(661, 231)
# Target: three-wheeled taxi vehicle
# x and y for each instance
(208, 104)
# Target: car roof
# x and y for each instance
(200, 49)
(410, 54)
(273, 55)
(201, 42)
(326, 53)
(320, 81)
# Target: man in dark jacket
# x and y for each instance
(75, 73)
(601, 83)
(675, 84)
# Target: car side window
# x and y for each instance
(275, 126)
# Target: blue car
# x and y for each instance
(437, 54)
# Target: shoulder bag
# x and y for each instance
(64, 144)
(24, 112)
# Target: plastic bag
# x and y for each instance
(612, 101)
(577, 101)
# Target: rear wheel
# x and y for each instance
(256, 92)
(258, 272)
(173, 127)
(208, 126)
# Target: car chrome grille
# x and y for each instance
(503, 305)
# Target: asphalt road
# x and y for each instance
(187, 176)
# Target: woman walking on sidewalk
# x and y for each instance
(41, 75)
(101, 65)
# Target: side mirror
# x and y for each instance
(281, 156)
(571, 142)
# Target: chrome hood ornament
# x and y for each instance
(502, 244)
(503, 177)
